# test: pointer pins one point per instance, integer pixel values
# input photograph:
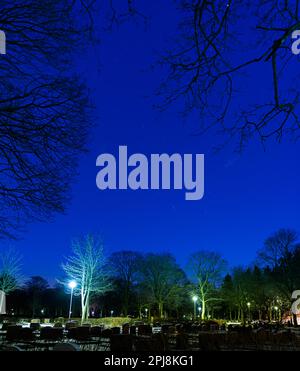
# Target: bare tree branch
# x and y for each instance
(208, 67)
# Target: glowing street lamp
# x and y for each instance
(146, 310)
(72, 285)
(249, 305)
(195, 298)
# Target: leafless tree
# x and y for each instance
(221, 47)
(87, 267)
(162, 278)
(35, 288)
(126, 266)
(277, 247)
(44, 107)
(120, 12)
(10, 270)
(207, 269)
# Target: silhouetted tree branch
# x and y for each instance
(208, 67)
(44, 107)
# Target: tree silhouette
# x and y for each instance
(277, 247)
(162, 278)
(36, 288)
(44, 107)
(126, 266)
(219, 51)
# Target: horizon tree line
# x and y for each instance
(130, 283)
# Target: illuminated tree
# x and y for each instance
(10, 270)
(87, 267)
(207, 269)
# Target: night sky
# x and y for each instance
(248, 196)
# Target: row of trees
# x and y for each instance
(131, 283)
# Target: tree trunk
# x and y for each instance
(126, 301)
(242, 316)
(203, 309)
(160, 309)
(270, 314)
(295, 322)
(85, 304)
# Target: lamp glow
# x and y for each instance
(195, 298)
(72, 285)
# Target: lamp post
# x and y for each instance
(248, 305)
(276, 313)
(199, 309)
(72, 285)
(195, 298)
(111, 313)
(146, 310)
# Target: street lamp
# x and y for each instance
(249, 305)
(199, 309)
(195, 298)
(111, 313)
(146, 310)
(72, 285)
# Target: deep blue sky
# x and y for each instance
(247, 197)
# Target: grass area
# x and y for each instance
(106, 321)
